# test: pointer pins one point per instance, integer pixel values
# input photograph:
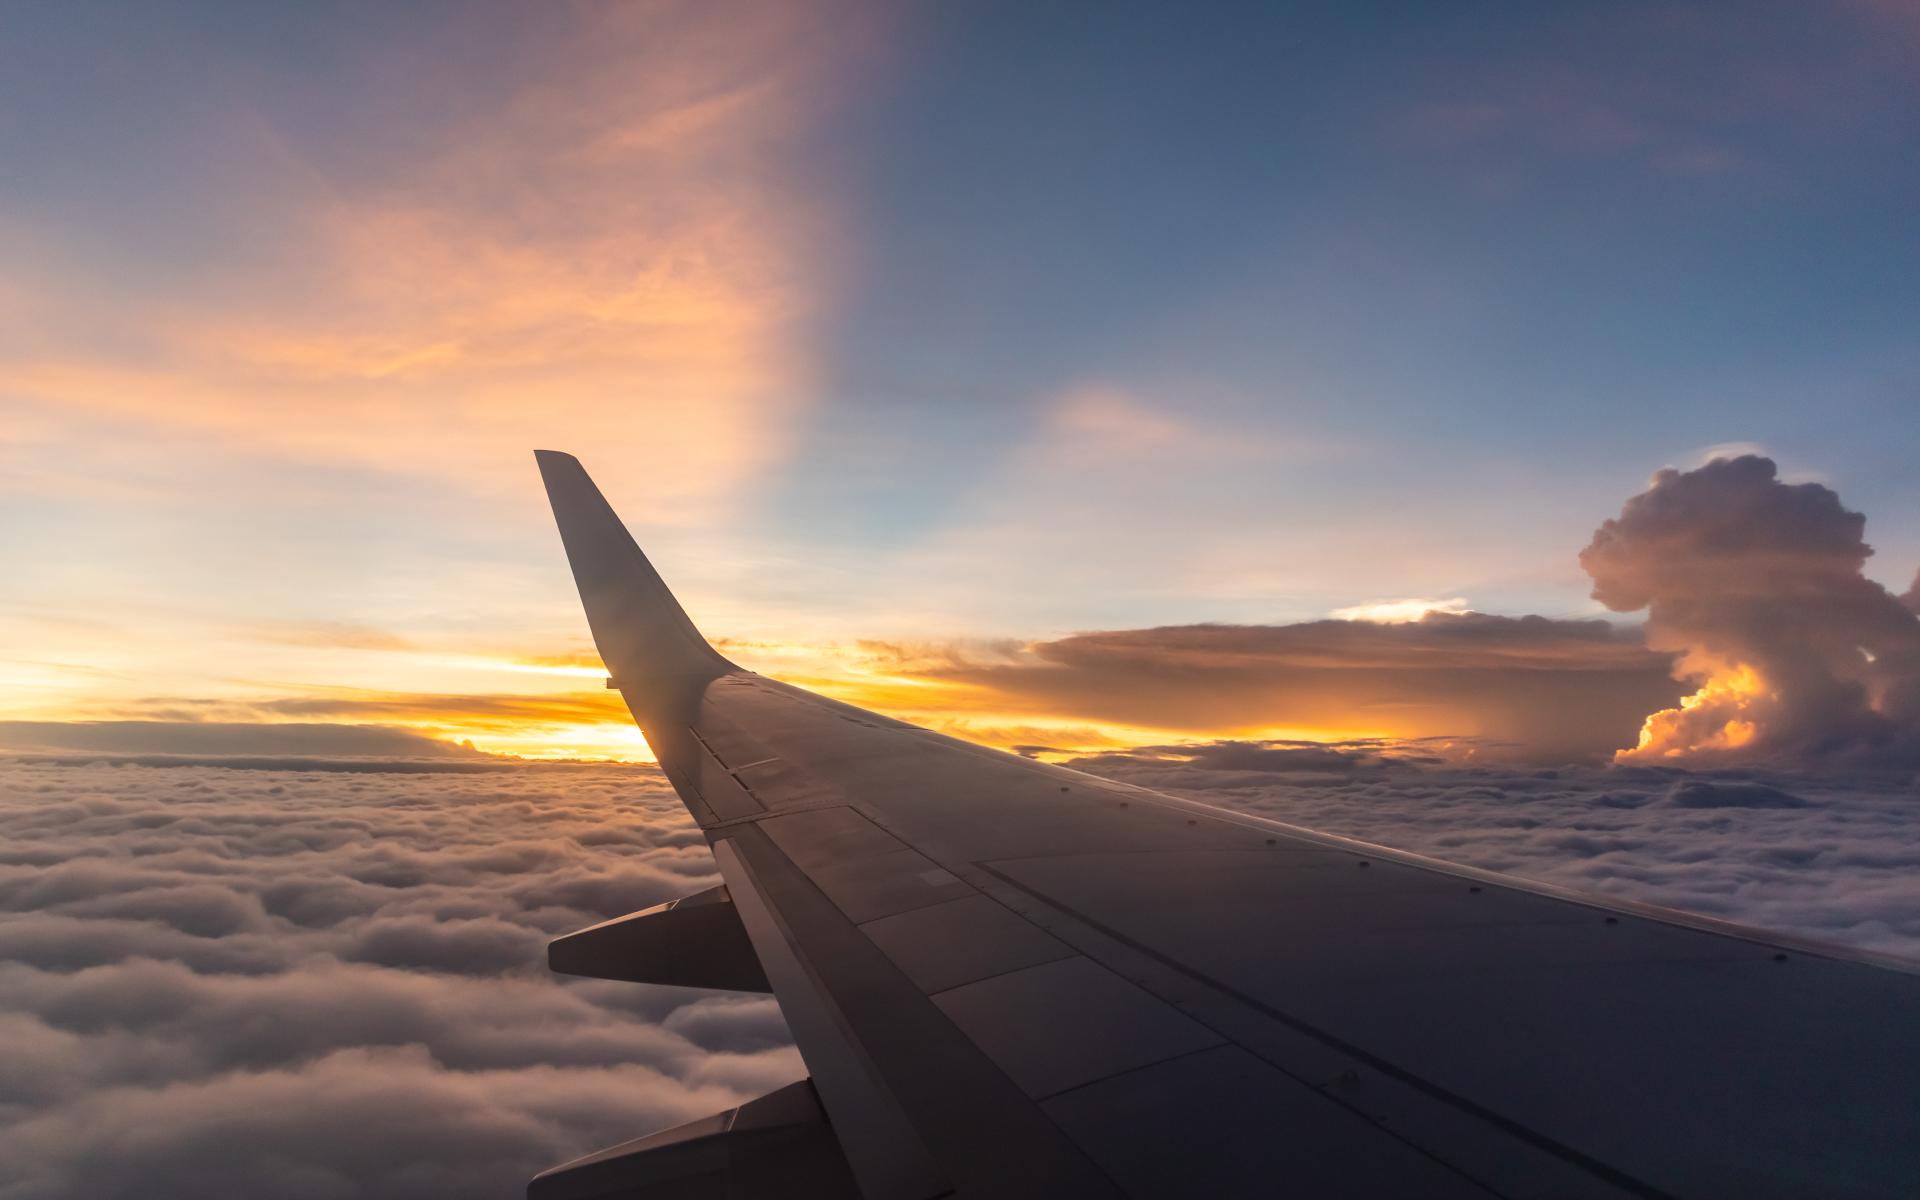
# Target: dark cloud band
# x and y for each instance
(1535, 688)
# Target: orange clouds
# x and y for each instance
(617, 244)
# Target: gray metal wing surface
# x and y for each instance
(1011, 979)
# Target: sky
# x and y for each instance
(1481, 429)
(929, 350)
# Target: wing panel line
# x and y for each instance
(886, 1155)
(956, 1099)
(1532, 1137)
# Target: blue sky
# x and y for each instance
(1566, 239)
(977, 321)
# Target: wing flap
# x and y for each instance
(779, 1147)
(697, 941)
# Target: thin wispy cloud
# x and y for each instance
(607, 243)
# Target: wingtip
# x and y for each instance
(641, 630)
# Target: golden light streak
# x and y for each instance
(590, 724)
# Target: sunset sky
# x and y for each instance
(938, 354)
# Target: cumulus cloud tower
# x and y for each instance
(1758, 585)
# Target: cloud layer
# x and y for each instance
(303, 984)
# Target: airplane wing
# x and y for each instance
(1010, 979)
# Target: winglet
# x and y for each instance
(657, 657)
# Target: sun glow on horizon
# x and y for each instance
(608, 742)
(1397, 612)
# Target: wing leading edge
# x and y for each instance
(1011, 979)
